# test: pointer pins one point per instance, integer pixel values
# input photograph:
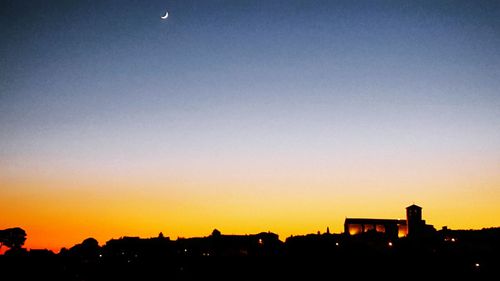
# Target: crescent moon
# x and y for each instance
(165, 16)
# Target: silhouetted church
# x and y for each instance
(412, 226)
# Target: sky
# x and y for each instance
(245, 116)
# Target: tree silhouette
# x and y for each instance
(88, 249)
(12, 237)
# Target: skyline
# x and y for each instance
(245, 116)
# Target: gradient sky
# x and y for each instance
(246, 116)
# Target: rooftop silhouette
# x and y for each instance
(384, 247)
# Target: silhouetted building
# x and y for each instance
(134, 248)
(414, 219)
(394, 228)
(217, 244)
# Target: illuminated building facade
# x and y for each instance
(412, 226)
(391, 227)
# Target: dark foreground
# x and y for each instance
(446, 255)
(304, 262)
(250, 268)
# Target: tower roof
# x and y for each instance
(413, 206)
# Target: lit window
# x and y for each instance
(369, 227)
(402, 231)
(380, 228)
(354, 229)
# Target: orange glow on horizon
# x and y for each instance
(60, 212)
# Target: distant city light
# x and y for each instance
(450, 239)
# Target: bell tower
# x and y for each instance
(414, 219)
